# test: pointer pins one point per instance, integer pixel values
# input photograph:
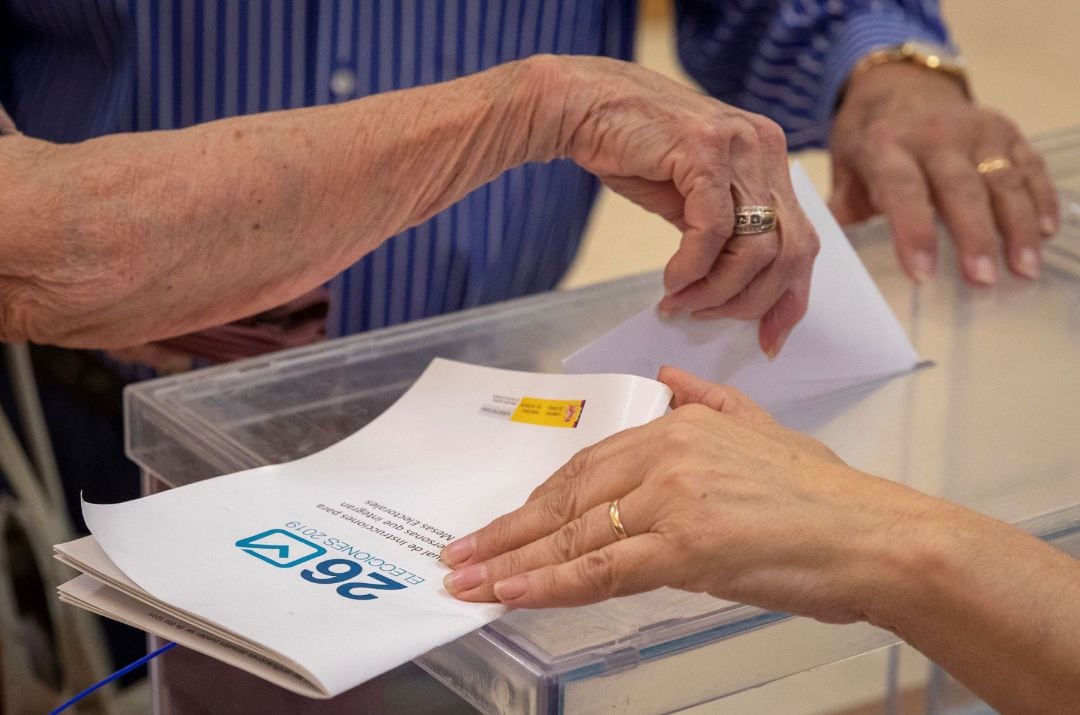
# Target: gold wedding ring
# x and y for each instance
(754, 219)
(616, 522)
(992, 164)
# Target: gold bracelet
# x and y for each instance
(931, 57)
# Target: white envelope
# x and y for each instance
(848, 337)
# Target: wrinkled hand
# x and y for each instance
(692, 159)
(715, 497)
(906, 141)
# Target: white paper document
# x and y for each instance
(849, 335)
(322, 573)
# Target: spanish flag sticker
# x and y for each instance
(548, 413)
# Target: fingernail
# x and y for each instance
(1048, 225)
(677, 288)
(773, 350)
(672, 313)
(511, 589)
(982, 270)
(922, 266)
(1028, 263)
(465, 579)
(457, 551)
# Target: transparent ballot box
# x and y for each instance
(993, 425)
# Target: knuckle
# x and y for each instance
(890, 182)
(559, 505)
(577, 463)
(1000, 123)
(709, 133)
(770, 134)
(568, 540)
(683, 417)
(684, 540)
(744, 137)
(508, 564)
(494, 534)
(936, 130)
(682, 482)
(879, 133)
(895, 185)
(741, 307)
(963, 185)
(597, 574)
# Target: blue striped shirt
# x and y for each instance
(74, 69)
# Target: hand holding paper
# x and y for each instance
(849, 335)
(714, 496)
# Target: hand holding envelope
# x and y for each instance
(849, 335)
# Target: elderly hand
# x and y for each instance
(907, 140)
(715, 497)
(692, 160)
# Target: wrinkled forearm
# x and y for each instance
(129, 238)
(994, 606)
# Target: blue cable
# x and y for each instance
(118, 674)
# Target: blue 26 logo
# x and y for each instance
(279, 548)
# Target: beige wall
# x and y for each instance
(1024, 60)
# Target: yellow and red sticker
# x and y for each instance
(548, 413)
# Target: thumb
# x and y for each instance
(689, 389)
(849, 202)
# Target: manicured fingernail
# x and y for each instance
(922, 266)
(465, 579)
(982, 270)
(1028, 263)
(512, 588)
(1048, 225)
(457, 551)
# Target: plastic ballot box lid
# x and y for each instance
(993, 425)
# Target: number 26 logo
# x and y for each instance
(342, 572)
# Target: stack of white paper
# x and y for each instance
(321, 573)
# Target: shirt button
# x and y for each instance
(342, 83)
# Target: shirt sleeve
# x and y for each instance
(788, 59)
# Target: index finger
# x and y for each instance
(709, 214)
(593, 530)
(577, 486)
(897, 188)
(615, 570)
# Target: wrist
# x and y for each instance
(933, 570)
(907, 557)
(909, 83)
(541, 106)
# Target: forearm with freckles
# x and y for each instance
(129, 238)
